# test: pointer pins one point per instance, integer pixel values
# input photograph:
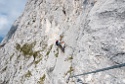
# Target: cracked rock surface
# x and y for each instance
(94, 36)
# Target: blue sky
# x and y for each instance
(10, 10)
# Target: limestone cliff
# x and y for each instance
(93, 32)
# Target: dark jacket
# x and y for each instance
(60, 46)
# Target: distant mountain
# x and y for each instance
(1, 38)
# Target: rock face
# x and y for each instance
(93, 32)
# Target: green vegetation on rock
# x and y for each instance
(41, 80)
(36, 54)
(57, 53)
(27, 50)
(49, 50)
(20, 67)
(61, 37)
(70, 70)
(69, 58)
(28, 74)
(36, 62)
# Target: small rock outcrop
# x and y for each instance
(93, 32)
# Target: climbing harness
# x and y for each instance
(100, 70)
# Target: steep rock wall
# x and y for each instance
(94, 34)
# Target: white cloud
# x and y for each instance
(4, 26)
(10, 10)
(3, 22)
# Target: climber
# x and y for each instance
(61, 45)
(57, 43)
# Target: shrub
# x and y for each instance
(28, 74)
(70, 70)
(41, 80)
(49, 50)
(27, 50)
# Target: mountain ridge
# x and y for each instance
(93, 34)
